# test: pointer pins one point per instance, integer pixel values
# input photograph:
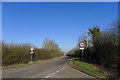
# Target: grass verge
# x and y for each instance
(87, 68)
(30, 63)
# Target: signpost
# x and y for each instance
(81, 45)
(32, 53)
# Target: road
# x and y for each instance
(54, 69)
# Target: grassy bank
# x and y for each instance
(87, 68)
(30, 63)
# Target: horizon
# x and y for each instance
(62, 22)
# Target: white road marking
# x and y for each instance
(47, 76)
(77, 71)
(55, 72)
(83, 73)
(61, 69)
(64, 67)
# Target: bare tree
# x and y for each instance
(50, 45)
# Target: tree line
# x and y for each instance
(103, 49)
(15, 53)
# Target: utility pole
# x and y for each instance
(87, 37)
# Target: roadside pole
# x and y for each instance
(82, 54)
(87, 38)
(32, 53)
(81, 45)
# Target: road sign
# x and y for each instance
(81, 48)
(31, 52)
(32, 48)
(81, 44)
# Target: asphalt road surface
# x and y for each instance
(54, 69)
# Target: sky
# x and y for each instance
(63, 22)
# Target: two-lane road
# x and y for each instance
(54, 69)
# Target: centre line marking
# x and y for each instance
(47, 76)
(55, 72)
(61, 69)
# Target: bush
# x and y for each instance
(20, 53)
